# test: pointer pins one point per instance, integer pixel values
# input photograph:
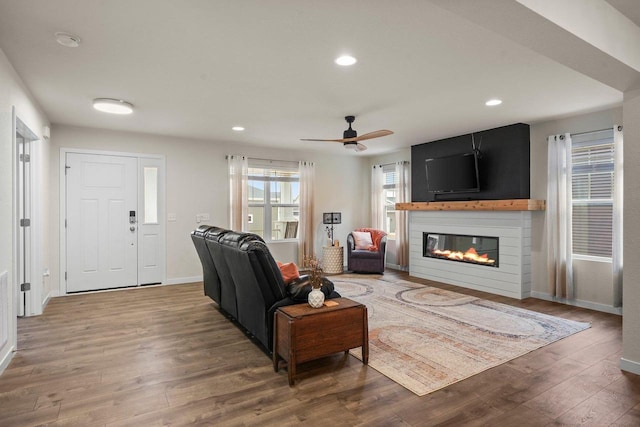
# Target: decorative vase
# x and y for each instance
(316, 298)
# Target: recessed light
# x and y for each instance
(346, 60)
(493, 102)
(237, 128)
(112, 106)
(68, 40)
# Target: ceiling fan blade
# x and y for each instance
(360, 147)
(323, 140)
(370, 135)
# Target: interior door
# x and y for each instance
(101, 223)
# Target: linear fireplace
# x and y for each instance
(513, 229)
(480, 250)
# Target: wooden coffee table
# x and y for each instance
(302, 333)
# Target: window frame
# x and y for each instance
(389, 169)
(268, 205)
(604, 139)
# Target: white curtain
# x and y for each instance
(377, 198)
(306, 233)
(559, 212)
(403, 195)
(238, 189)
(618, 188)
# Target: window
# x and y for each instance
(390, 183)
(150, 175)
(274, 199)
(592, 180)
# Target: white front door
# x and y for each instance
(101, 226)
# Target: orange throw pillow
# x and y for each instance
(289, 272)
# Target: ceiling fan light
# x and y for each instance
(351, 146)
(112, 106)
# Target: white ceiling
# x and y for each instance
(196, 68)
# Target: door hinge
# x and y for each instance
(25, 158)
(65, 223)
(25, 287)
(65, 275)
(66, 168)
(25, 222)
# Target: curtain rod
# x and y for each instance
(595, 131)
(392, 163)
(266, 160)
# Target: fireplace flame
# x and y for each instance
(471, 255)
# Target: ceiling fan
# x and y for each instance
(350, 138)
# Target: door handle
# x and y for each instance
(132, 228)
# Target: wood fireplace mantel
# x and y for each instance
(475, 205)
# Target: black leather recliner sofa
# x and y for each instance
(242, 277)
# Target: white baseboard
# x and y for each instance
(7, 359)
(578, 303)
(630, 366)
(397, 267)
(180, 280)
(52, 294)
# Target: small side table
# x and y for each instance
(302, 333)
(333, 259)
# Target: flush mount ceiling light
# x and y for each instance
(237, 128)
(112, 106)
(346, 60)
(67, 39)
(493, 102)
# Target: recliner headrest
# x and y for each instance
(201, 230)
(254, 245)
(215, 233)
(236, 239)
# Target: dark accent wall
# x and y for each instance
(503, 169)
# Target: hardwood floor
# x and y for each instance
(166, 356)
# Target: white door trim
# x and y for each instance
(63, 199)
(33, 300)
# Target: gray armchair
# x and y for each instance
(364, 260)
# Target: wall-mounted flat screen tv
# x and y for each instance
(453, 174)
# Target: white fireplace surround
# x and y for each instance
(512, 278)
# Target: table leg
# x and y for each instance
(275, 342)
(365, 343)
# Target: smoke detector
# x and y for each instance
(67, 39)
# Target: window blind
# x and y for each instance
(592, 180)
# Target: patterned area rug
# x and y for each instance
(426, 338)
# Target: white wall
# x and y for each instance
(593, 280)
(12, 93)
(631, 288)
(197, 182)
